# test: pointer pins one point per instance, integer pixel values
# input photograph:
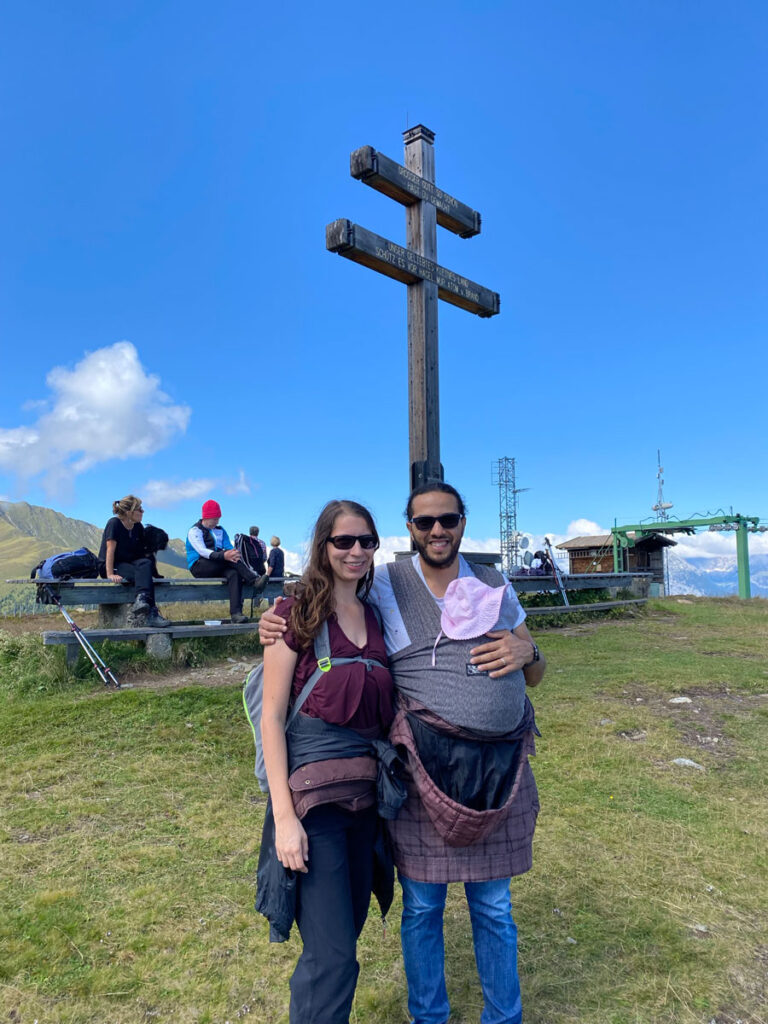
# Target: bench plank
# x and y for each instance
(167, 591)
(53, 637)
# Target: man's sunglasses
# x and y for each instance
(424, 524)
(345, 541)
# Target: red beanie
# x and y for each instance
(211, 510)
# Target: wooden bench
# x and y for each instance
(114, 600)
(158, 642)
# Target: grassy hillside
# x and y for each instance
(130, 838)
(29, 533)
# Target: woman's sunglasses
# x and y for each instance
(345, 541)
(449, 521)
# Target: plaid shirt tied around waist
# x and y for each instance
(436, 839)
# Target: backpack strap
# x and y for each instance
(324, 664)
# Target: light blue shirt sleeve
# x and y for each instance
(511, 613)
(383, 597)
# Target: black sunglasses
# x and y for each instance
(345, 541)
(449, 521)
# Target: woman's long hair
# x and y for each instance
(126, 505)
(314, 601)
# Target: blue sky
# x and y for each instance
(172, 325)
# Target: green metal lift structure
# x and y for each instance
(742, 525)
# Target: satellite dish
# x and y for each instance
(527, 557)
(523, 543)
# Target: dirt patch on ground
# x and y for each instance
(699, 721)
(228, 672)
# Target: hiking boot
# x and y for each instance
(139, 611)
(260, 585)
(238, 618)
(156, 620)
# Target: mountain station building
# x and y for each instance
(594, 553)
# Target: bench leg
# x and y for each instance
(73, 653)
(113, 616)
(159, 645)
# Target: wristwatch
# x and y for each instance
(536, 656)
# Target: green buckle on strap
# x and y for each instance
(324, 664)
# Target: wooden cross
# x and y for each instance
(416, 265)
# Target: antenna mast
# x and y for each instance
(661, 506)
(662, 515)
(504, 476)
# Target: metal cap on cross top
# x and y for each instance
(426, 206)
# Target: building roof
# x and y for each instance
(593, 541)
(604, 540)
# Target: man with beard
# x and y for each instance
(468, 727)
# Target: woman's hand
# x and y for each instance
(291, 844)
(114, 577)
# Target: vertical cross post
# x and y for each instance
(423, 370)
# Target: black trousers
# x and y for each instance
(235, 574)
(139, 573)
(332, 905)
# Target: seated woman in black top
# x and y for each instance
(123, 557)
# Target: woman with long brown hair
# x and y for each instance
(325, 821)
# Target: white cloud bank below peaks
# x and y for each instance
(107, 407)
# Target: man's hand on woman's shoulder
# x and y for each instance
(271, 625)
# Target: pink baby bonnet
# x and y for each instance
(470, 609)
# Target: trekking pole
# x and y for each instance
(556, 571)
(106, 674)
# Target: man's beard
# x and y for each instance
(437, 563)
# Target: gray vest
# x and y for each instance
(452, 688)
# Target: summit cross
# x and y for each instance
(416, 265)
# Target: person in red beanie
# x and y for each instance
(210, 554)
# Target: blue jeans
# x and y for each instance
(495, 939)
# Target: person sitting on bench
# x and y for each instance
(124, 558)
(210, 554)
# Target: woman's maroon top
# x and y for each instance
(351, 695)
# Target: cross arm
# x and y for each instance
(362, 246)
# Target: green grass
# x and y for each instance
(130, 826)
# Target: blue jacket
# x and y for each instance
(216, 541)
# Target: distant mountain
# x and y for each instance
(29, 533)
(715, 577)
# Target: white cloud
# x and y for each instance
(717, 545)
(583, 528)
(107, 407)
(294, 561)
(388, 547)
(239, 486)
(162, 493)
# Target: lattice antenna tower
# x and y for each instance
(661, 506)
(504, 477)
